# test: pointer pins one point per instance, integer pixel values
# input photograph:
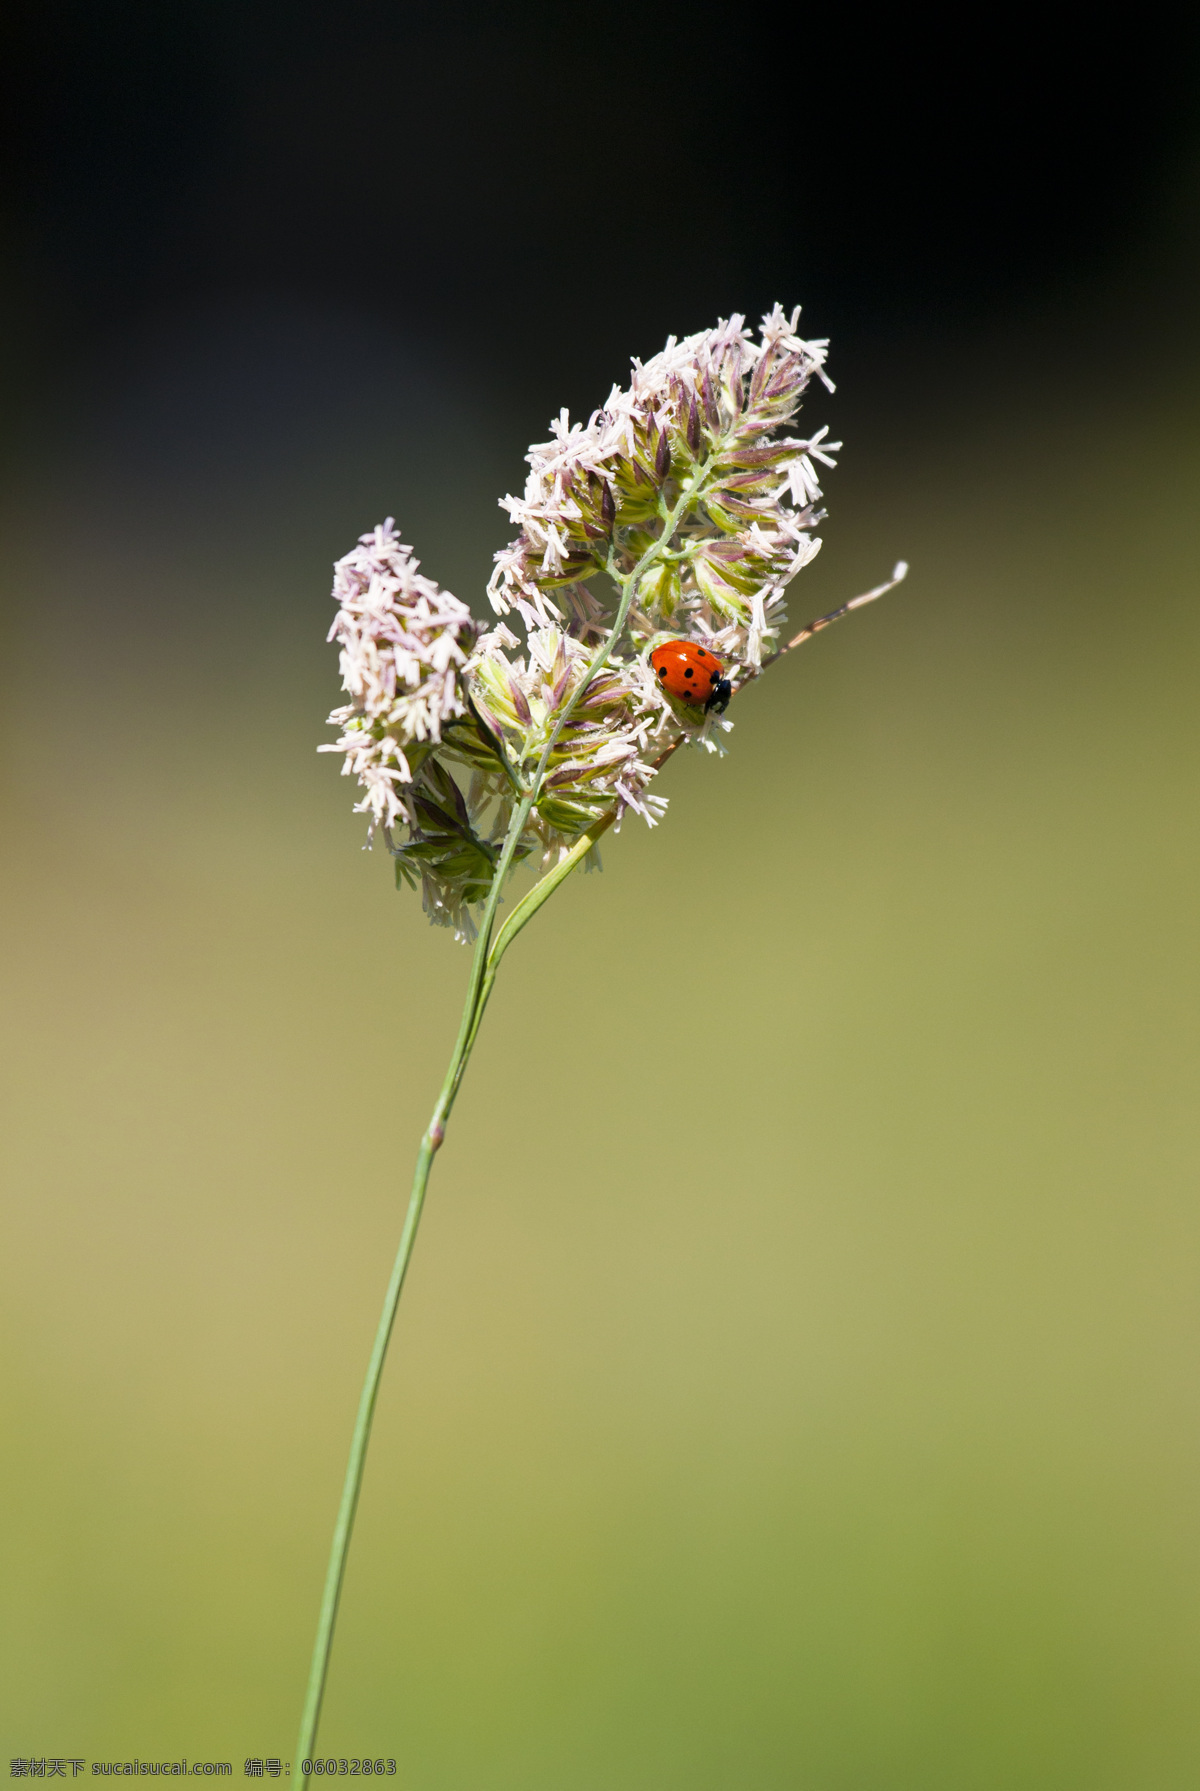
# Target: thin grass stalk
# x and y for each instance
(484, 964)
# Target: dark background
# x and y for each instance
(796, 1383)
(535, 189)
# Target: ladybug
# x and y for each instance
(691, 674)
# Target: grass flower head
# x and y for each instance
(675, 517)
(683, 508)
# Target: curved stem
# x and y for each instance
(336, 1570)
(479, 990)
(484, 964)
(528, 906)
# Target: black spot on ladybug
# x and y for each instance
(688, 672)
(662, 671)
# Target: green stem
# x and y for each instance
(484, 964)
(528, 906)
(358, 1454)
(430, 1145)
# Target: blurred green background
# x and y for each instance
(796, 1385)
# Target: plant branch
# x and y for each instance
(490, 947)
(484, 963)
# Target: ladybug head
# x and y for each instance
(722, 690)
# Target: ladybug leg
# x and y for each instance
(722, 690)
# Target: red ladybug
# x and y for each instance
(691, 674)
